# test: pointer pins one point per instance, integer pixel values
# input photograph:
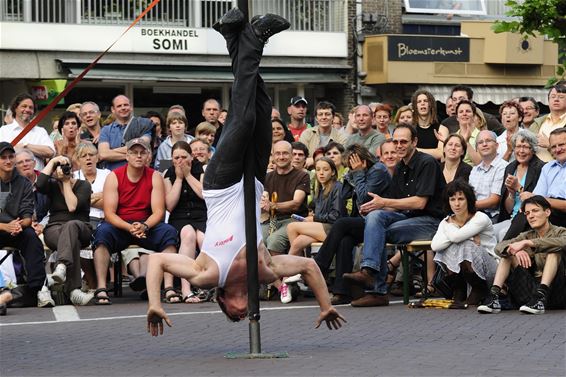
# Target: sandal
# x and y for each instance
(391, 273)
(174, 298)
(192, 298)
(101, 300)
(429, 291)
(204, 295)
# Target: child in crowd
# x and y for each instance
(326, 209)
(177, 128)
(206, 131)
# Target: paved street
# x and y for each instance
(389, 341)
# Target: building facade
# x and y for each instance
(173, 56)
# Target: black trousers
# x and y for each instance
(249, 117)
(31, 249)
(344, 235)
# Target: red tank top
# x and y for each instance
(134, 198)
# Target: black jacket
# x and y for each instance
(20, 203)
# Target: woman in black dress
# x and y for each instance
(184, 201)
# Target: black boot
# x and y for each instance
(459, 287)
(479, 288)
(266, 26)
(232, 21)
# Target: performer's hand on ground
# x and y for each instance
(332, 319)
(155, 318)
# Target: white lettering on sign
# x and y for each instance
(169, 39)
(403, 49)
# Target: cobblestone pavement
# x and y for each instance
(387, 341)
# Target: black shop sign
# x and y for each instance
(428, 49)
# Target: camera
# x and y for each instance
(66, 168)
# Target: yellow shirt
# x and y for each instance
(546, 128)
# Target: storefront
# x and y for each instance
(497, 66)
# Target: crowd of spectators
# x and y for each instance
(488, 191)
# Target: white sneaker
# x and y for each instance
(60, 274)
(81, 298)
(285, 294)
(293, 279)
(50, 281)
(44, 299)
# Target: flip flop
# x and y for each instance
(192, 298)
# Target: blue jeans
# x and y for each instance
(394, 227)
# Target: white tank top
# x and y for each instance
(225, 232)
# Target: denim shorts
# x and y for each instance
(158, 238)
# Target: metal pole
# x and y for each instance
(251, 249)
(251, 237)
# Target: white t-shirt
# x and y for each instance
(96, 186)
(36, 135)
(225, 227)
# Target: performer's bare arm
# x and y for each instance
(289, 265)
(178, 265)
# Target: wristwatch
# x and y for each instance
(146, 227)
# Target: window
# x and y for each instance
(464, 7)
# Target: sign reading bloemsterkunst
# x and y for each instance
(428, 49)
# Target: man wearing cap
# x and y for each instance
(16, 210)
(113, 138)
(297, 111)
(37, 140)
(132, 216)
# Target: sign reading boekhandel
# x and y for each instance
(428, 49)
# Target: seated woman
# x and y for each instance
(404, 114)
(280, 131)
(453, 166)
(470, 122)
(177, 126)
(184, 201)
(86, 156)
(335, 151)
(521, 177)
(464, 244)
(68, 126)
(326, 209)
(511, 117)
(68, 229)
(382, 117)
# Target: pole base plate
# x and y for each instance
(276, 355)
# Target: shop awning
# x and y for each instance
(206, 75)
(493, 94)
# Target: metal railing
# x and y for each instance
(497, 7)
(304, 15)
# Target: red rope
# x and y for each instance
(61, 95)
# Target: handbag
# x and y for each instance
(440, 283)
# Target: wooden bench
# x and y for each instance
(414, 249)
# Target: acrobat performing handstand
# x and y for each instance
(222, 261)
